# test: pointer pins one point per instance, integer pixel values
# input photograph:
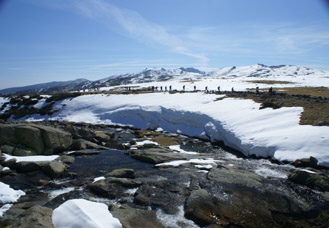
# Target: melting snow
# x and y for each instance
(37, 158)
(84, 213)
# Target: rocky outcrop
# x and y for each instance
(203, 209)
(82, 144)
(155, 155)
(54, 169)
(36, 216)
(38, 139)
(113, 187)
(311, 179)
(122, 173)
(136, 218)
(231, 192)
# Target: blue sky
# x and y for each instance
(47, 40)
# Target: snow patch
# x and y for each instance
(98, 179)
(37, 158)
(191, 161)
(84, 213)
(5, 208)
(9, 195)
(178, 149)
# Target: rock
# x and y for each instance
(122, 173)
(235, 176)
(85, 152)
(165, 194)
(66, 159)
(103, 136)
(36, 216)
(25, 167)
(82, 144)
(21, 152)
(9, 163)
(203, 209)
(30, 137)
(113, 187)
(15, 151)
(124, 182)
(106, 189)
(308, 162)
(7, 134)
(155, 155)
(39, 139)
(54, 169)
(55, 139)
(136, 218)
(310, 179)
(7, 149)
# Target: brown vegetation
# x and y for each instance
(270, 82)
(316, 108)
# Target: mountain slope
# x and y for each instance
(161, 74)
(49, 87)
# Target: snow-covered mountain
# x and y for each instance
(263, 71)
(161, 74)
(150, 75)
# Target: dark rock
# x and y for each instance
(25, 167)
(30, 137)
(82, 144)
(55, 139)
(106, 189)
(203, 209)
(308, 162)
(36, 216)
(7, 149)
(235, 176)
(40, 139)
(85, 152)
(124, 182)
(21, 152)
(155, 155)
(122, 173)
(136, 218)
(165, 194)
(9, 163)
(15, 151)
(310, 179)
(66, 159)
(54, 169)
(103, 136)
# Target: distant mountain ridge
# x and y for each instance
(161, 74)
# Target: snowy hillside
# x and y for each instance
(263, 71)
(239, 123)
(228, 77)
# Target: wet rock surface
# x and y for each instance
(148, 183)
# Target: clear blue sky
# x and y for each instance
(57, 40)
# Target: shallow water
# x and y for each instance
(106, 161)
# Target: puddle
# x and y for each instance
(106, 161)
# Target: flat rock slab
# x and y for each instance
(156, 155)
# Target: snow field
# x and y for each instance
(237, 122)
